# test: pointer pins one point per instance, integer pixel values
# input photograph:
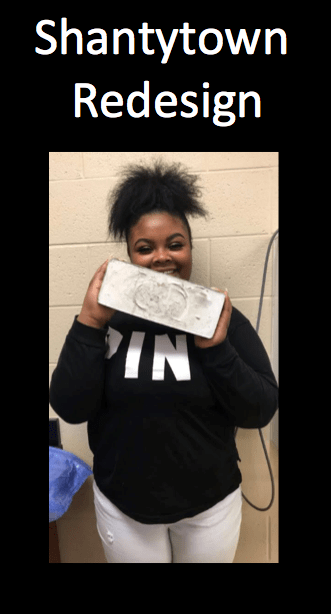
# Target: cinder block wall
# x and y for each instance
(240, 192)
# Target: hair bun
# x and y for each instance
(160, 187)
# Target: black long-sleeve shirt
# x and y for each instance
(161, 412)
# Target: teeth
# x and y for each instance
(169, 272)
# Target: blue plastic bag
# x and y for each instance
(67, 473)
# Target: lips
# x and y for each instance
(169, 271)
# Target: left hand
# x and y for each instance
(221, 328)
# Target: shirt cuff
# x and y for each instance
(223, 353)
(87, 334)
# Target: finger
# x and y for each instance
(103, 269)
(222, 291)
(227, 298)
(227, 311)
(104, 265)
(99, 274)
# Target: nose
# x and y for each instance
(161, 256)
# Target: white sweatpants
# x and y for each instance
(209, 537)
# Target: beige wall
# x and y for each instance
(240, 192)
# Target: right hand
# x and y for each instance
(92, 313)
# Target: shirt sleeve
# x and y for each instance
(240, 375)
(77, 386)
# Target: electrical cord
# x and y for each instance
(263, 509)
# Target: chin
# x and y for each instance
(183, 276)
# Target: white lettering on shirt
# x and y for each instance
(177, 357)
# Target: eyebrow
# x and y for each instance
(176, 234)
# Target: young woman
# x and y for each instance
(161, 406)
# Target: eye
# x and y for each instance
(145, 249)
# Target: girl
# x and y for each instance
(162, 406)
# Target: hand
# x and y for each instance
(92, 313)
(221, 328)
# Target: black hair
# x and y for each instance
(158, 188)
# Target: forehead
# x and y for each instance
(157, 225)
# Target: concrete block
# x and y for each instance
(78, 211)
(60, 322)
(68, 275)
(222, 160)
(65, 165)
(108, 163)
(201, 262)
(99, 253)
(237, 263)
(237, 203)
(274, 177)
(161, 298)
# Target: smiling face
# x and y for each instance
(160, 242)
